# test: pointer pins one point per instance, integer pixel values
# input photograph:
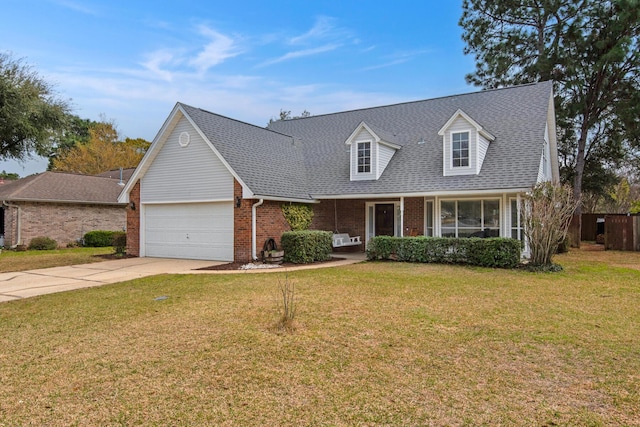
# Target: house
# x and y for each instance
(62, 206)
(211, 187)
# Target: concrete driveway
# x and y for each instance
(24, 284)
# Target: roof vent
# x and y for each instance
(184, 139)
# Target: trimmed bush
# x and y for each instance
(298, 216)
(99, 238)
(120, 242)
(491, 252)
(42, 243)
(306, 246)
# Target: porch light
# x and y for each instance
(238, 202)
(132, 205)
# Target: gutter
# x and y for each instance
(253, 228)
(4, 202)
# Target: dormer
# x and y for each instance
(464, 145)
(370, 152)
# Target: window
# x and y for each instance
(517, 231)
(428, 215)
(364, 157)
(460, 149)
(470, 218)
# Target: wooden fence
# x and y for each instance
(622, 232)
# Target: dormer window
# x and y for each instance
(464, 145)
(460, 149)
(370, 151)
(364, 157)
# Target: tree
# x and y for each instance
(548, 209)
(9, 175)
(102, 152)
(589, 48)
(75, 132)
(286, 115)
(30, 112)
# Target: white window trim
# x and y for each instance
(371, 157)
(469, 142)
(469, 199)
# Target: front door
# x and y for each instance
(385, 219)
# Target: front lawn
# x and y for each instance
(30, 260)
(376, 344)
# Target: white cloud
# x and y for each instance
(323, 27)
(76, 6)
(219, 49)
(156, 60)
(301, 53)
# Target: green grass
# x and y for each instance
(29, 260)
(374, 344)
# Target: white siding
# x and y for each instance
(363, 136)
(191, 173)
(460, 125)
(483, 146)
(384, 157)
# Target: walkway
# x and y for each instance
(25, 284)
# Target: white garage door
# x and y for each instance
(190, 231)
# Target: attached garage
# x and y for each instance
(189, 230)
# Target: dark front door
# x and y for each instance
(385, 216)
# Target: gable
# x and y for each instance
(368, 145)
(466, 159)
(186, 169)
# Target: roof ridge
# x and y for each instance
(235, 120)
(416, 101)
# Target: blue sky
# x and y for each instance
(131, 61)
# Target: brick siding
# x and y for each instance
(64, 222)
(133, 222)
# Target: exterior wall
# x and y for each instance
(414, 216)
(384, 157)
(270, 223)
(65, 223)
(190, 173)
(241, 226)
(133, 222)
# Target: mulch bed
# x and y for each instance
(237, 265)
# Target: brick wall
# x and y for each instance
(241, 226)
(270, 223)
(414, 216)
(133, 222)
(63, 222)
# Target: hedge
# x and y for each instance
(306, 246)
(99, 238)
(43, 243)
(492, 252)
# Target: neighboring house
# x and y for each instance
(210, 187)
(61, 206)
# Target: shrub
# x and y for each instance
(120, 242)
(42, 244)
(98, 238)
(303, 247)
(298, 216)
(492, 252)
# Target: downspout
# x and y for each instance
(401, 216)
(4, 202)
(253, 229)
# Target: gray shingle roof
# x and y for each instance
(270, 163)
(307, 157)
(62, 187)
(515, 116)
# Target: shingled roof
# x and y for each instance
(516, 116)
(63, 188)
